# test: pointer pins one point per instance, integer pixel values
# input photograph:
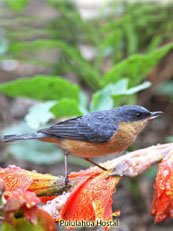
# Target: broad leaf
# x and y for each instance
(135, 67)
(133, 90)
(83, 102)
(35, 118)
(53, 109)
(41, 88)
(113, 94)
(101, 100)
(66, 108)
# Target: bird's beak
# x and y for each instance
(155, 114)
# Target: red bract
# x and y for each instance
(18, 178)
(162, 206)
(91, 199)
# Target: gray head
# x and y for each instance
(132, 113)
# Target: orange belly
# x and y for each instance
(118, 142)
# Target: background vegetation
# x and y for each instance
(67, 66)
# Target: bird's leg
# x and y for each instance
(92, 162)
(66, 168)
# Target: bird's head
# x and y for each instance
(135, 115)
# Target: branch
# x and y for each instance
(132, 163)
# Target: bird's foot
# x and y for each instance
(66, 184)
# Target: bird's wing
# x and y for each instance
(93, 127)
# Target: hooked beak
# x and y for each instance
(155, 114)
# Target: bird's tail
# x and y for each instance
(11, 138)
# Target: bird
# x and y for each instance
(94, 134)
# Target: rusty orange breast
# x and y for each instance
(121, 139)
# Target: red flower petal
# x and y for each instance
(91, 199)
(18, 178)
(162, 206)
(15, 178)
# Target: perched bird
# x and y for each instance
(96, 133)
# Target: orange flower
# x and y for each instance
(162, 206)
(91, 198)
(18, 178)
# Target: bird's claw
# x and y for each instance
(66, 184)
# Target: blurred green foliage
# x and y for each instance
(128, 42)
(115, 95)
(16, 5)
(169, 139)
(126, 30)
(136, 67)
(166, 88)
(41, 88)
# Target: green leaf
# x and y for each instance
(109, 46)
(41, 88)
(132, 39)
(135, 67)
(32, 150)
(134, 90)
(6, 227)
(66, 108)
(53, 109)
(16, 5)
(35, 118)
(21, 224)
(155, 42)
(112, 40)
(83, 102)
(102, 100)
(121, 98)
(113, 93)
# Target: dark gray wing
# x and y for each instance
(93, 127)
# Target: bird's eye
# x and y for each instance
(138, 114)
